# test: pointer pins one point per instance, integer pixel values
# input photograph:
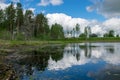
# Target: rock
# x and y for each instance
(7, 73)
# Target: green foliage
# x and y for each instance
(1, 19)
(82, 35)
(75, 31)
(85, 32)
(4, 34)
(42, 27)
(77, 27)
(13, 20)
(20, 36)
(13, 23)
(57, 31)
(117, 35)
(111, 33)
(1, 16)
(10, 17)
(28, 14)
(93, 35)
(106, 35)
(19, 17)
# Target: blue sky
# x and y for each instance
(74, 8)
(88, 9)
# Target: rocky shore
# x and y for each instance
(7, 73)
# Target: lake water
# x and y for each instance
(75, 61)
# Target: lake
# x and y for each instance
(74, 61)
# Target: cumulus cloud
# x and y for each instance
(52, 2)
(3, 5)
(66, 21)
(112, 24)
(97, 27)
(108, 8)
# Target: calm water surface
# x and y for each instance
(80, 61)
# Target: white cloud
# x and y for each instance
(3, 5)
(66, 21)
(112, 24)
(69, 23)
(69, 59)
(56, 2)
(108, 8)
(98, 53)
(48, 2)
(89, 8)
(44, 3)
(32, 9)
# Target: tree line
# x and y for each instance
(27, 25)
(76, 33)
(16, 25)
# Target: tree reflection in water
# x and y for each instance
(60, 58)
(38, 59)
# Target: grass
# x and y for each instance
(80, 40)
(59, 41)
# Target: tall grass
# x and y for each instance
(57, 41)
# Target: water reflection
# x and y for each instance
(78, 54)
(36, 60)
(109, 72)
(90, 59)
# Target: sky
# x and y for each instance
(100, 15)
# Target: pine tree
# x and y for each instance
(19, 17)
(10, 18)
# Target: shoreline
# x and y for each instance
(62, 41)
(11, 46)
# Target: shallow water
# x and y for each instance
(76, 61)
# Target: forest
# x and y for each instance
(16, 25)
